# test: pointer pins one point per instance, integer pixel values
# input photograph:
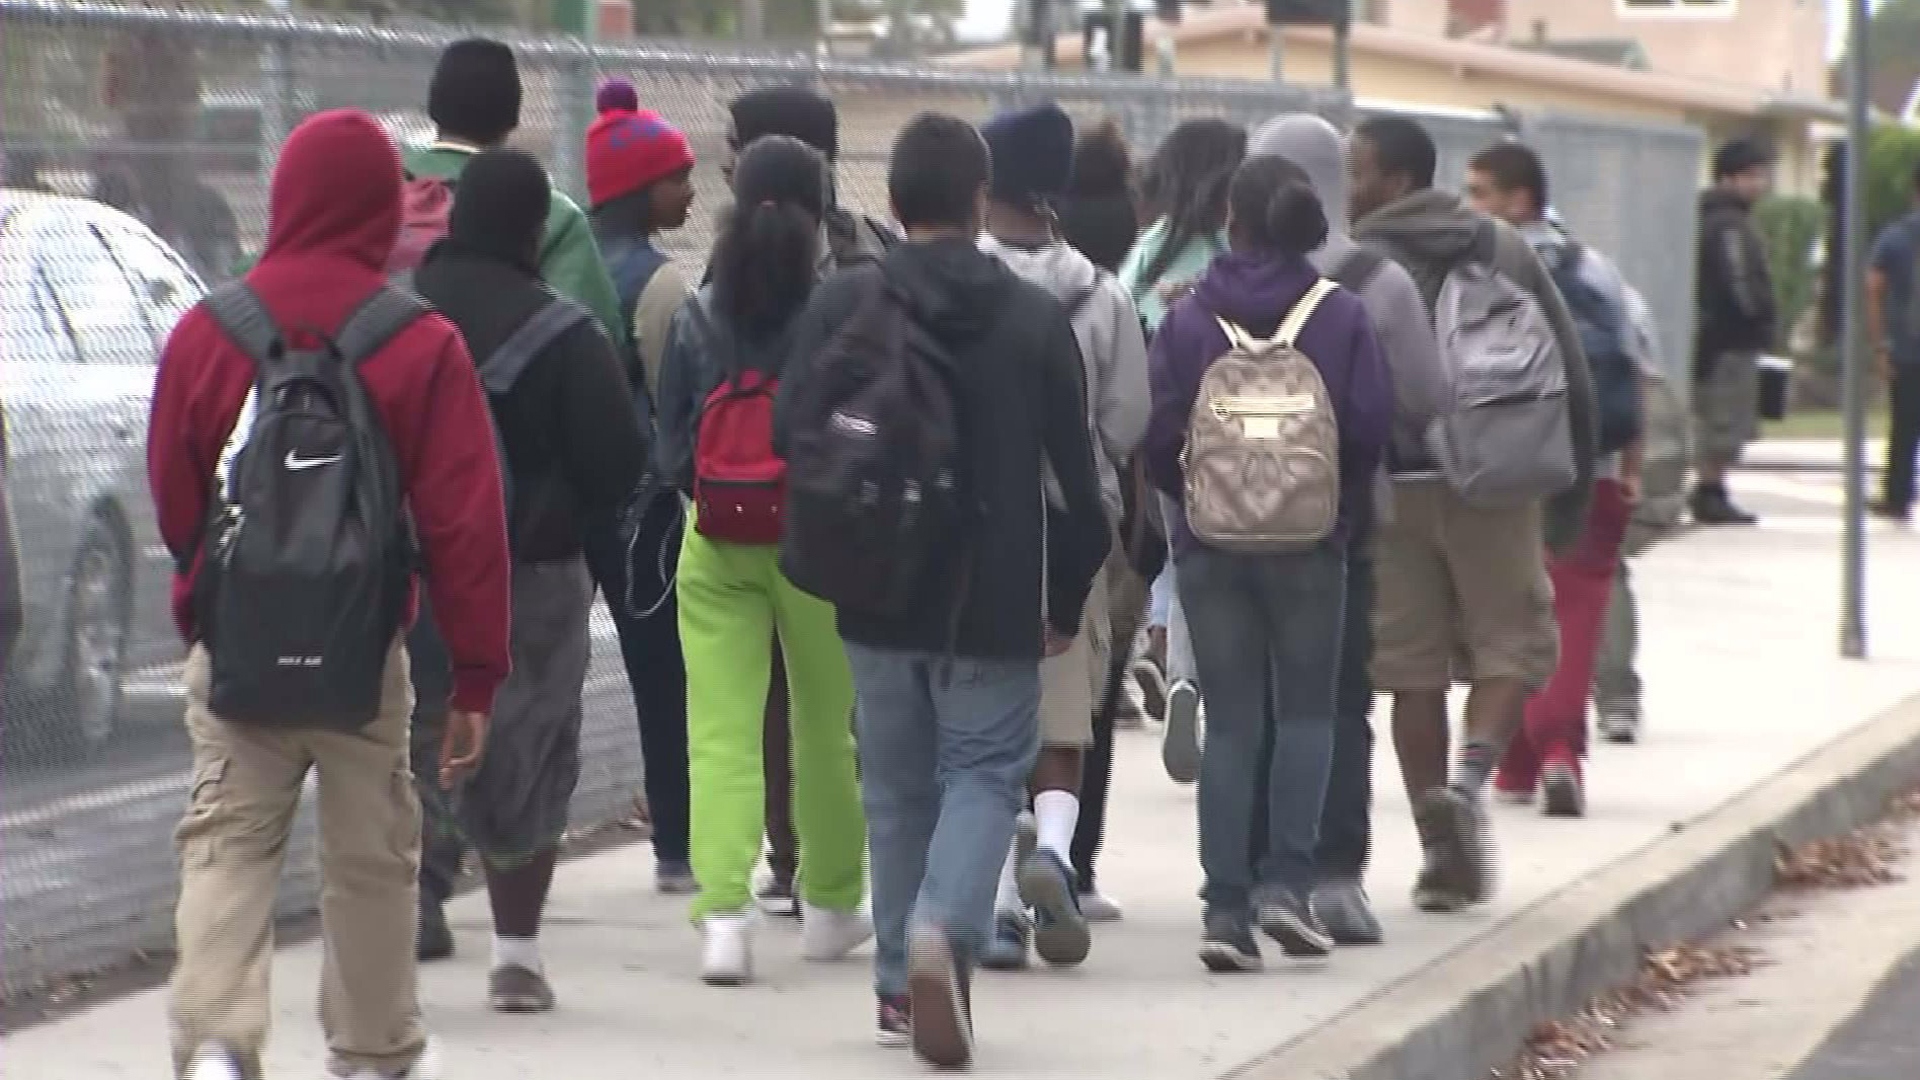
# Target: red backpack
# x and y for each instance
(739, 483)
(426, 204)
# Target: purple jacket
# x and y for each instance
(1255, 292)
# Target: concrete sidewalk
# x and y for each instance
(1743, 680)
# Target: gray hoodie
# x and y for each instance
(1113, 351)
(1429, 232)
(1399, 315)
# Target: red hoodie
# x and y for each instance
(334, 215)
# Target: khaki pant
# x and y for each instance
(1071, 684)
(246, 787)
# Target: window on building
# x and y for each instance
(1678, 7)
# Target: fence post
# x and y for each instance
(578, 18)
(278, 106)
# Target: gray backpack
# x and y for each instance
(1504, 438)
(1262, 459)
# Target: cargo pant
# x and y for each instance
(246, 786)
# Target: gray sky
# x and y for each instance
(988, 19)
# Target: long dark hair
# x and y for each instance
(768, 253)
(1187, 183)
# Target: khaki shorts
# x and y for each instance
(1071, 683)
(1726, 408)
(1463, 592)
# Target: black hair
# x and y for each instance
(1187, 182)
(1401, 147)
(1740, 155)
(939, 165)
(1515, 167)
(768, 253)
(1274, 207)
(1102, 164)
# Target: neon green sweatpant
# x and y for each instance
(733, 599)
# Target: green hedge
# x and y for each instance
(1892, 153)
(1791, 226)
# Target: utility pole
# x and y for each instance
(1853, 577)
(753, 20)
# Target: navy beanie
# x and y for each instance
(475, 93)
(1032, 152)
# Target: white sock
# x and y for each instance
(516, 952)
(1008, 897)
(1058, 814)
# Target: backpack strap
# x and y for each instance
(380, 317)
(1296, 319)
(509, 360)
(245, 320)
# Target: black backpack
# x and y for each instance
(307, 560)
(1604, 339)
(502, 368)
(874, 478)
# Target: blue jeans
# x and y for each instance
(946, 745)
(1267, 635)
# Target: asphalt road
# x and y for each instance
(1882, 1040)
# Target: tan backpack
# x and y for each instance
(1262, 459)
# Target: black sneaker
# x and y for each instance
(1060, 933)
(895, 1024)
(1886, 511)
(514, 989)
(1441, 884)
(1341, 905)
(436, 940)
(1227, 944)
(1712, 506)
(942, 1027)
(1287, 919)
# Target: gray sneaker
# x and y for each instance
(1180, 741)
(514, 989)
(1449, 879)
(1227, 943)
(1060, 933)
(1619, 723)
(1288, 919)
(1342, 907)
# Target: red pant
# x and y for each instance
(1556, 726)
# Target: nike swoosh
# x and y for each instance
(296, 463)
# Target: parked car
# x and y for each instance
(87, 298)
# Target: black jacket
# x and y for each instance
(1737, 308)
(701, 354)
(571, 438)
(1021, 403)
(1101, 227)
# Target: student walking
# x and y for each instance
(1399, 319)
(639, 178)
(573, 453)
(1507, 180)
(319, 296)
(1038, 897)
(1737, 323)
(947, 661)
(1893, 321)
(728, 351)
(1464, 581)
(1266, 615)
(1186, 192)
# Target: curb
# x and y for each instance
(1471, 1011)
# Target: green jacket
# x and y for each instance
(569, 258)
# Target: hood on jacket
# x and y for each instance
(1429, 225)
(952, 286)
(1056, 267)
(335, 192)
(1715, 200)
(1315, 146)
(1254, 292)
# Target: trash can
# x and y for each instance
(1776, 380)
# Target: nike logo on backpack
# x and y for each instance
(296, 463)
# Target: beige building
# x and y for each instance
(1413, 54)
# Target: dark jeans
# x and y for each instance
(1903, 436)
(1346, 817)
(650, 651)
(1267, 635)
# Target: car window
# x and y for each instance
(94, 293)
(160, 280)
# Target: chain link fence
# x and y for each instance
(159, 129)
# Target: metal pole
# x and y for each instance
(1276, 52)
(1853, 580)
(1342, 52)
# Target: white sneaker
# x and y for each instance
(827, 935)
(1099, 907)
(424, 1067)
(1620, 725)
(213, 1062)
(1180, 742)
(727, 958)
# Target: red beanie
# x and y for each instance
(628, 150)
